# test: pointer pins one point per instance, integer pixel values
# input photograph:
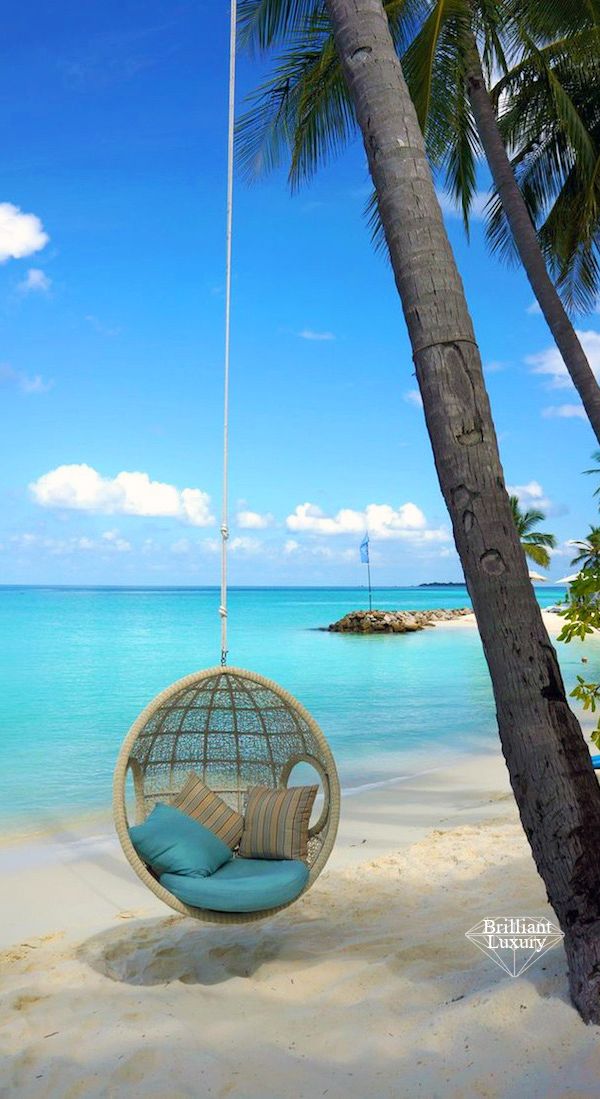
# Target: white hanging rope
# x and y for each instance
(224, 509)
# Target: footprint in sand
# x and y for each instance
(25, 1000)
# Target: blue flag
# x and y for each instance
(364, 550)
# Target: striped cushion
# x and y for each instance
(200, 802)
(276, 823)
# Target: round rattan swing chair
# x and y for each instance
(236, 730)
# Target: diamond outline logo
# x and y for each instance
(514, 943)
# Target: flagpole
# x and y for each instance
(366, 560)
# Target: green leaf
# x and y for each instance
(261, 23)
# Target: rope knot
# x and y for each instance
(225, 532)
(223, 611)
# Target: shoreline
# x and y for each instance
(458, 618)
(553, 622)
(83, 825)
(78, 860)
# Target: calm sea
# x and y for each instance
(79, 663)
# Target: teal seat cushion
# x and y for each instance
(241, 885)
(172, 843)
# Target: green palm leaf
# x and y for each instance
(537, 554)
(262, 23)
(535, 543)
(547, 99)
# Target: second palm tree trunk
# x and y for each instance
(527, 244)
(549, 764)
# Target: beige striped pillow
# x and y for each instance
(200, 802)
(276, 822)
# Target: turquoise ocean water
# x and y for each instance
(78, 665)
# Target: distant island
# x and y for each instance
(441, 584)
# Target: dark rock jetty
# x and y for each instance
(394, 621)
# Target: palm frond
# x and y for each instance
(595, 469)
(434, 66)
(427, 48)
(540, 538)
(528, 520)
(375, 224)
(553, 18)
(262, 23)
(303, 109)
(325, 119)
(549, 101)
(537, 554)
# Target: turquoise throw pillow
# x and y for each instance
(172, 843)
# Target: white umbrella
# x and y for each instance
(537, 576)
(567, 579)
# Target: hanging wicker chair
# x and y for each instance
(235, 729)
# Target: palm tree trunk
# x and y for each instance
(526, 242)
(549, 765)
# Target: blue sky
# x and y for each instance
(112, 208)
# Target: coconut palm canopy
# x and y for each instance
(535, 543)
(540, 62)
(589, 550)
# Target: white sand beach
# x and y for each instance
(367, 986)
(553, 622)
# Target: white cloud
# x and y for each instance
(116, 542)
(35, 281)
(549, 361)
(82, 488)
(329, 554)
(530, 495)
(211, 545)
(20, 234)
(495, 366)
(381, 520)
(450, 209)
(23, 540)
(245, 545)
(181, 546)
(28, 384)
(565, 412)
(319, 552)
(564, 549)
(253, 520)
(309, 334)
(534, 308)
(60, 547)
(413, 396)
